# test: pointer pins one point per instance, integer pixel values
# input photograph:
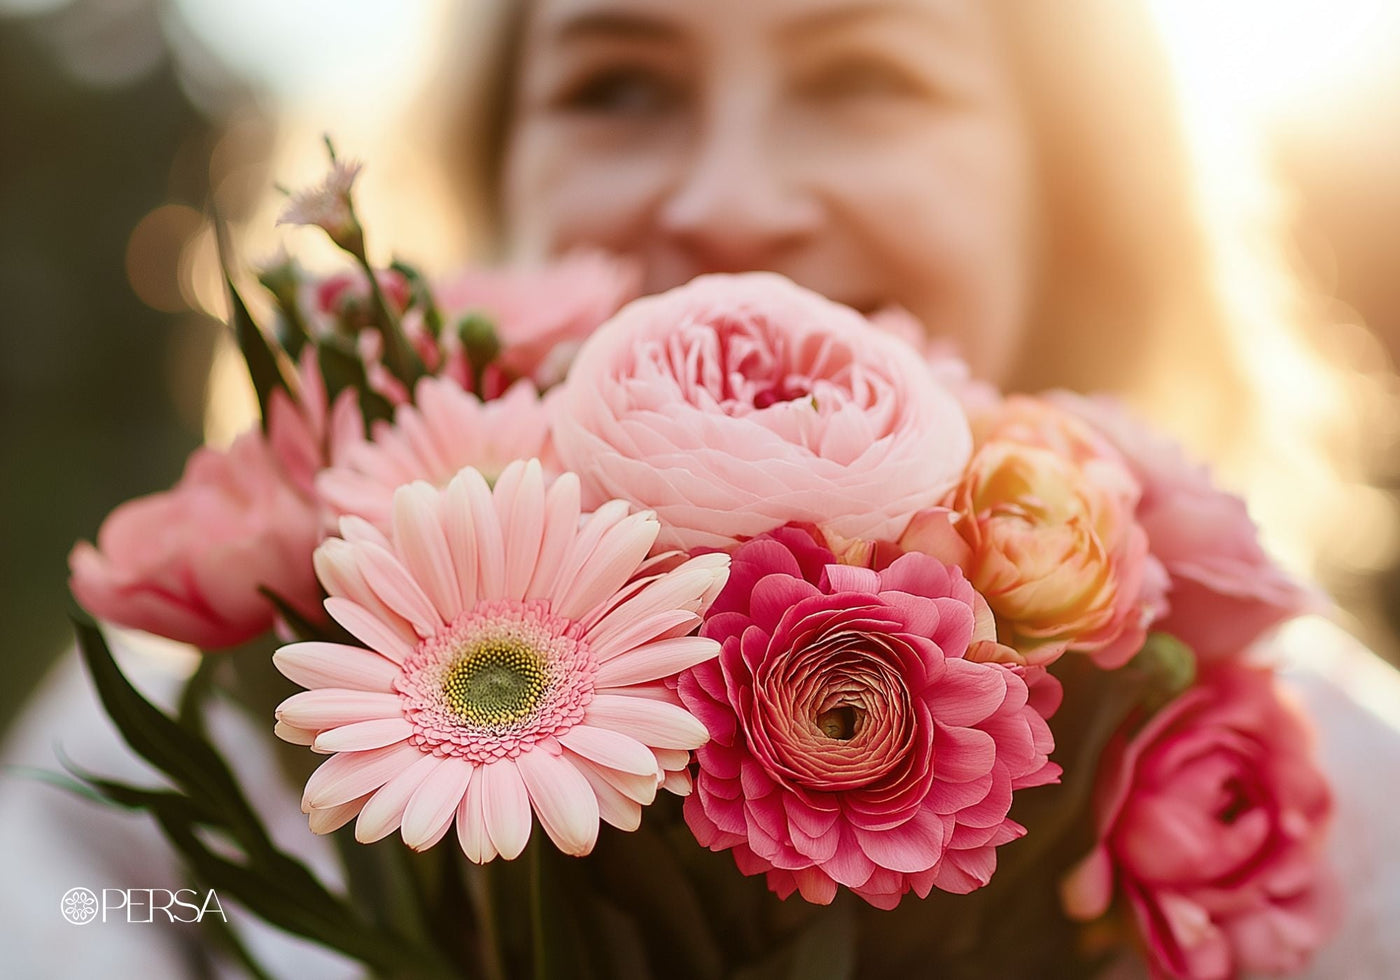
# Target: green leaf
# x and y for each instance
(342, 368)
(260, 353)
(175, 750)
(420, 295)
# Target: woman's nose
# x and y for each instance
(736, 204)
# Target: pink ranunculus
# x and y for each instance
(541, 315)
(1212, 822)
(851, 741)
(739, 403)
(187, 563)
(1225, 591)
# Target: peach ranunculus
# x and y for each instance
(739, 403)
(1043, 525)
(1225, 591)
(188, 563)
(1212, 822)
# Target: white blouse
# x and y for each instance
(51, 841)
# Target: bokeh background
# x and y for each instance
(123, 123)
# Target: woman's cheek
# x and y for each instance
(568, 189)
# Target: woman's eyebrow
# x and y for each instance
(836, 17)
(612, 24)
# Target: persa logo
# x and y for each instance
(140, 906)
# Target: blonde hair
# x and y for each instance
(1161, 278)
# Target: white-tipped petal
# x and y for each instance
(506, 807)
(653, 723)
(612, 749)
(363, 735)
(370, 629)
(314, 664)
(420, 540)
(429, 812)
(383, 812)
(563, 800)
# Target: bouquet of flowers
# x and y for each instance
(722, 632)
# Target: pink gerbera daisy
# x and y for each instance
(445, 429)
(514, 660)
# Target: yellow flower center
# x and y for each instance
(495, 683)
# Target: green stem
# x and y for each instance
(478, 881)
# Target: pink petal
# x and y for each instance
(594, 526)
(621, 632)
(471, 824)
(363, 735)
(315, 664)
(612, 749)
(915, 845)
(333, 818)
(640, 789)
(520, 505)
(460, 531)
(679, 589)
(654, 723)
(430, 811)
(421, 541)
(962, 754)
(337, 566)
(490, 544)
(343, 777)
(656, 660)
(329, 707)
(505, 807)
(614, 807)
(383, 813)
(292, 734)
(563, 800)
(396, 588)
(369, 629)
(612, 563)
(967, 693)
(1087, 890)
(560, 527)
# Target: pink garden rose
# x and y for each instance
(1212, 822)
(851, 742)
(187, 563)
(736, 404)
(1043, 524)
(1225, 590)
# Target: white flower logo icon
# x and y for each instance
(79, 906)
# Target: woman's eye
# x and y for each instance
(626, 92)
(861, 80)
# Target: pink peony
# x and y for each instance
(1211, 824)
(1225, 591)
(736, 404)
(512, 662)
(541, 316)
(187, 563)
(851, 742)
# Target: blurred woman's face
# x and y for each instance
(868, 149)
